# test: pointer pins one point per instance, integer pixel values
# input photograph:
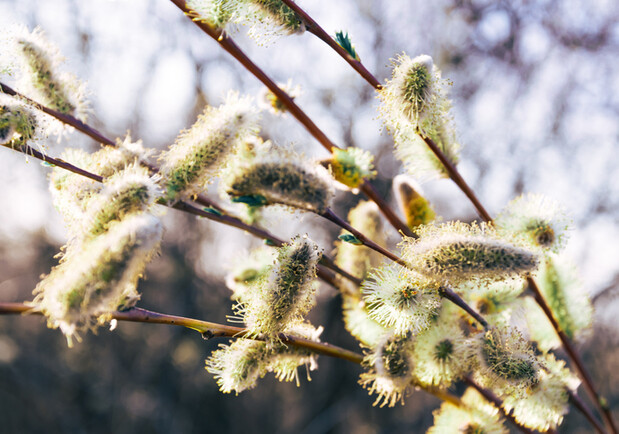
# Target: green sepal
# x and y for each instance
(251, 200)
(344, 41)
(212, 210)
(348, 238)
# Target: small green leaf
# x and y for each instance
(269, 242)
(348, 238)
(346, 44)
(211, 210)
(47, 164)
(251, 200)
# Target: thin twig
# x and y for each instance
(211, 330)
(230, 46)
(585, 411)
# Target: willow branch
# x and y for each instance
(211, 330)
(577, 402)
(230, 46)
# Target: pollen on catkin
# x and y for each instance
(269, 18)
(238, 366)
(390, 370)
(455, 252)
(81, 292)
(351, 167)
(284, 360)
(415, 207)
(539, 221)
(41, 76)
(475, 416)
(415, 105)
(543, 406)
(442, 355)
(284, 296)
(506, 361)
(216, 13)
(400, 299)
(18, 124)
(200, 152)
(279, 178)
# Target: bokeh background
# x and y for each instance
(536, 100)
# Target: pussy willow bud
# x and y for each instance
(359, 324)
(279, 179)
(81, 292)
(283, 297)
(216, 13)
(269, 101)
(18, 125)
(442, 355)
(495, 301)
(269, 17)
(415, 207)
(475, 416)
(238, 366)
(42, 76)
(129, 191)
(201, 152)
(351, 166)
(456, 252)
(249, 271)
(414, 102)
(400, 300)
(537, 220)
(390, 373)
(507, 361)
(546, 402)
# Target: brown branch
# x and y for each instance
(230, 46)
(577, 402)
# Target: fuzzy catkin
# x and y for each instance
(84, 289)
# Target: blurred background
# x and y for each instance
(536, 101)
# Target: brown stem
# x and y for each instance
(457, 178)
(214, 330)
(331, 216)
(208, 329)
(313, 27)
(574, 356)
(491, 397)
(230, 46)
(451, 295)
(577, 402)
